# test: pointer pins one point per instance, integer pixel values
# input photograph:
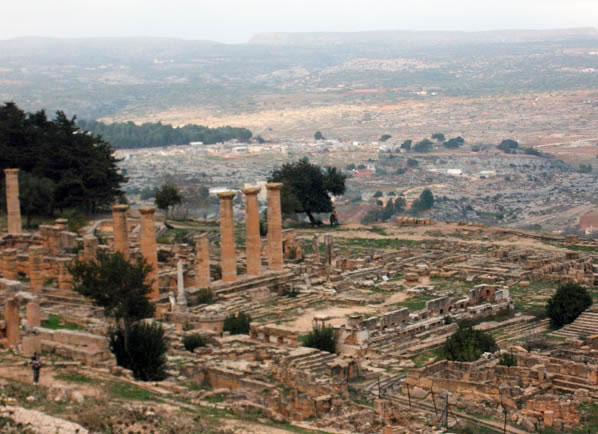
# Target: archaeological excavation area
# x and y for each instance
(392, 294)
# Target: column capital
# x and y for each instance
(11, 171)
(147, 210)
(226, 195)
(274, 185)
(120, 207)
(251, 190)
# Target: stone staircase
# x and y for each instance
(244, 283)
(519, 331)
(570, 384)
(586, 324)
(52, 296)
(309, 359)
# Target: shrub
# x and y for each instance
(569, 301)
(508, 359)
(467, 345)
(291, 292)
(191, 342)
(321, 338)
(237, 324)
(205, 296)
(146, 355)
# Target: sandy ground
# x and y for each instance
(337, 315)
(418, 233)
(48, 379)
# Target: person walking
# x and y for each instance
(36, 366)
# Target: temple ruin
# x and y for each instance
(390, 302)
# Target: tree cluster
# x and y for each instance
(130, 135)
(145, 353)
(424, 202)
(307, 187)
(191, 342)
(384, 213)
(65, 168)
(569, 301)
(423, 146)
(117, 285)
(322, 338)
(121, 288)
(467, 345)
(167, 196)
(237, 324)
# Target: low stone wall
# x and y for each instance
(85, 347)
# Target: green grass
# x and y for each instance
(54, 322)
(422, 358)
(128, 392)
(416, 302)
(75, 377)
(386, 243)
(590, 411)
(522, 296)
(215, 399)
(588, 249)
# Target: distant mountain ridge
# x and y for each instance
(407, 36)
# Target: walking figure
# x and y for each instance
(36, 366)
(333, 219)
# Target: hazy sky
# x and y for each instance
(237, 21)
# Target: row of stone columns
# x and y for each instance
(227, 238)
(253, 246)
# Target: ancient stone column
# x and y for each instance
(149, 247)
(36, 260)
(253, 242)
(329, 250)
(53, 240)
(61, 224)
(90, 247)
(11, 316)
(275, 260)
(181, 300)
(202, 261)
(65, 279)
(315, 246)
(13, 205)
(10, 264)
(120, 229)
(33, 319)
(228, 258)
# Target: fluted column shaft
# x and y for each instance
(36, 259)
(202, 261)
(253, 242)
(120, 229)
(228, 258)
(149, 247)
(275, 258)
(13, 205)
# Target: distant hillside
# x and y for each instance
(405, 36)
(129, 135)
(150, 79)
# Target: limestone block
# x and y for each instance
(33, 317)
(31, 344)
